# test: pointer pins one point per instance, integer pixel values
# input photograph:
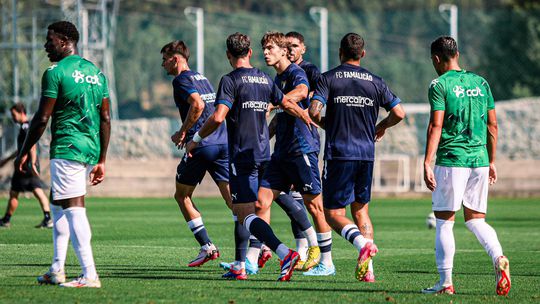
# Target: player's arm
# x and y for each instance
(433, 137)
(299, 93)
(196, 108)
(293, 109)
(98, 172)
(209, 127)
(36, 129)
(394, 117)
(33, 160)
(493, 131)
(315, 109)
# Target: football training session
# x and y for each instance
(269, 151)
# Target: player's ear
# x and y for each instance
(363, 54)
(250, 52)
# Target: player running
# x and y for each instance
(463, 131)
(242, 98)
(75, 94)
(353, 96)
(194, 97)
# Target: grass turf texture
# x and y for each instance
(142, 246)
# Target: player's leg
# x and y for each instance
(56, 273)
(299, 238)
(475, 207)
(13, 203)
(44, 204)
(446, 200)
(360, 213)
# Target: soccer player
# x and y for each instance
(29, 179)
(353, 96)
(74, 92)
(242, 98)
(194, 97)
(297, 49)
(463, 132)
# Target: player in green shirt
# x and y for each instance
(463, 132)
(75, 94)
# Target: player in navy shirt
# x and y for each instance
(194, 97)
(353, 96)
(243, 97)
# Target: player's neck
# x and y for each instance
(451, 66)
(352, 62)
(241, 63)
(181, 69)
(282, 65)
(68, 52)
(300, 60)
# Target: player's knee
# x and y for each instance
(262, 206)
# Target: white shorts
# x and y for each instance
(456, 185)
(68, 178)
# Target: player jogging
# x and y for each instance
(194, 97)
(463, 131)
(242, 98)
(353, 96)
(75, 94)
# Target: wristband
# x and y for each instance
(197, 138)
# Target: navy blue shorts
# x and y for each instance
(301, 171)
(25, 182)
(345, 182)
(214, 159)
(245, 180)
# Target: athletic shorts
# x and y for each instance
(245, 180)
(214, 159)
(345, 182)
(68, 178)
(300, 171)
(456, 185)
(25, 182)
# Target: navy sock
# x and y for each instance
(255, 243)
(325, 245)
(241, 237)
(262, 231)
(297, 232)
(296, 212)
(46, 215)
(199, 231)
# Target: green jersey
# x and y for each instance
(466, 99)
(79, 88)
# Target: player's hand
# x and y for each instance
(379, 133)
(35, 171)
(97, 175)
(190, 146)
(429, 178)
(20, 161)
(179, 139)
(492, 174)
(307, 120)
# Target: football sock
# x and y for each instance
(325, 244)
(301, 248)
(445, 248)
(282, 251)
(237, 265)
(370, 265)
(262, 231)
(46, 215)
(241, 238)
(487, 237)
(296, 212)
(352, 234)
(311, 236)
(199, 231)
(80, 235)
(60, 238)
(6, 218)
(297, 232)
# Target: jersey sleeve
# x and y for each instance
(184, 86)
(436, 98)
(276, 96)
(388, 99)
(313, 75)
(321, 92)
(225, 92)
(50, 82)
(490, 100)
(300, 77)
(104, 85)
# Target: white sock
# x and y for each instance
(253, 253)
(301, 248)
(60, 238)
(445, 248)
(351, 233)
(311, 236)
(282, 251)
(325, 239)
(370, 265)
(81, 235)
(487, 237)
(237, 265)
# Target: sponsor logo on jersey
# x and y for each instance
(462, 92)
(354, 74)
(198, 77)
(255, 79)
(255, 105)
(79, 77)
(209, 97)
(52, 67)
(354, 101)
(434, 82)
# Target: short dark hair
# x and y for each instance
(176, 47)
(296, 35)
(276, 37)
(66, 29)
(18, 107)
(445, 47)
(352, 46)
(238, 44)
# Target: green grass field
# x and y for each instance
(142, 246)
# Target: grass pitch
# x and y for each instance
(142, 246)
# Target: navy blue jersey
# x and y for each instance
(247, 92)
(312, 72)
(187, 83)
(293, 136)
(352, 96)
